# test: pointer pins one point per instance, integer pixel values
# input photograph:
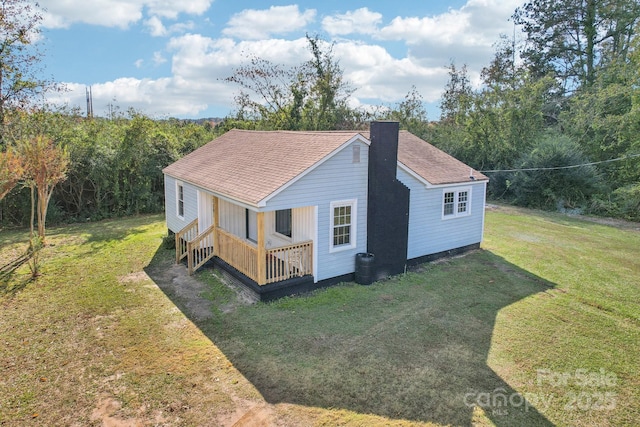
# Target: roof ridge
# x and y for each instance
(298, 131)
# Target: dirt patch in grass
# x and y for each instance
(106, 415)
(175, 281)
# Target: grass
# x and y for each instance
(546, 315)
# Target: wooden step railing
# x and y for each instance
(200, 249)
(183, 237)
(238, 253)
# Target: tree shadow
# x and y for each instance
(9, 284)
(413, 347)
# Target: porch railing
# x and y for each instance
(183, 237)
(200, 249)
(238, 253)
(290, 261)
(281, 263)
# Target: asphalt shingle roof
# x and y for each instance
(250, 165)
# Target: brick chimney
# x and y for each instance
(388, 203)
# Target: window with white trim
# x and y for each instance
(456, 202)
(180, 199)
(343, 225)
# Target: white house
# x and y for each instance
(288, 211)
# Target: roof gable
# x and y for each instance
(249, 166)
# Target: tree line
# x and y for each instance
(555, 122)
(568, 94)
(115, 165)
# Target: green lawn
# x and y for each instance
(540, 327)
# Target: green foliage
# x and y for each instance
(115, 165)
(411, 114)
(20, 81)
(587, 92)
(623, 202)
(563, 188)
(574, 39)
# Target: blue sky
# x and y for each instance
(167, 58)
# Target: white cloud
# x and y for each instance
(139, 63)
(156, 27)
(381, 73)
(159, 98)
(464, 35)
(379, 76)
(172, 8)
(158, 58)
(361, 21)
(199, 65)
(115, 13)
(252, 24)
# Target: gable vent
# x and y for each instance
(356, 153)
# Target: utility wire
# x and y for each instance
(562, 167)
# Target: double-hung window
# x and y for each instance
(456, 202)
(343, 225)
(180, 199)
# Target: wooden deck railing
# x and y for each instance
(238, 253)
(200, 249)
(281, 263)
(290, 261)
(183, 237)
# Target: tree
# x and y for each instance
(11, 170)
(574, 38)
(457, 97)
(310, 96)
(45, 165)
(19, 57)
(411, 114)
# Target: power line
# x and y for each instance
(562, 167)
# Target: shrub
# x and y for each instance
(546, 186)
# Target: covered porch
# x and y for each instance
(247, 241)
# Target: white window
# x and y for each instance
(180, 199)
(456, 202)
(343, 225)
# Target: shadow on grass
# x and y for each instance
(413, 347)
(10, 286)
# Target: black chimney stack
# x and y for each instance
(388, 203)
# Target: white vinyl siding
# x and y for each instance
(338, 178)
(429, 233)
(232, 218)
(302, 228)
(176, 223)
(205, 210)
